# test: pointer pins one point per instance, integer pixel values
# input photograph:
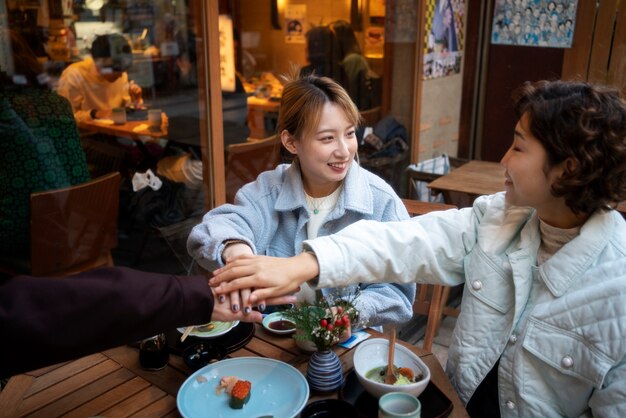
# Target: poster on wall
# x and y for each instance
(295, 22)
(227, 53)
(444, 37)
(534, 23)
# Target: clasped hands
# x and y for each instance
(251, 280)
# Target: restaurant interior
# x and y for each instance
(211, 74)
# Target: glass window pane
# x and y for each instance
(92, 87)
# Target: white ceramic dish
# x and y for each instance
(278, 390)
(275, 317)
(219, 328)
(372, 353)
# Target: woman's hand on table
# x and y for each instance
(270, 277)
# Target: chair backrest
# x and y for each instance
(371, 116)
(417, 207)
(417, 177)
(246, 161)
(73, 229)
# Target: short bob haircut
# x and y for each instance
(302, 102)
(585, 123)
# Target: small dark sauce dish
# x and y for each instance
(282, 325)
(200, 354)
(277, 323)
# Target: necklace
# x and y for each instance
(322, 203)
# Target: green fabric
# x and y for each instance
(39, 150)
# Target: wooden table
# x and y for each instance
(112, 383)
(126, 130)
(258, 111)
(474, 178)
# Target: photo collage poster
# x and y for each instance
(444, 37)
(534, 23)
(295, 22)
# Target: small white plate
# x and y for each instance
(275, 317)
(219, 328)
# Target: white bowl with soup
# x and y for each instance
(370, 363)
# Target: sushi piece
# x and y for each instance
(226, 384)
(240, 394)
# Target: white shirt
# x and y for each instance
(86, 89)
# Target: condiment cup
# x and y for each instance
(399, 405)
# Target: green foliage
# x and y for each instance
(324, 321)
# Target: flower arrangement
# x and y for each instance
(324, 321)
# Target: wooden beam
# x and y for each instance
(212, 139)
(419, 80)
(602, 40)
(576, 58)
(617, 66)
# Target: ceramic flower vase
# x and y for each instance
(324, 371)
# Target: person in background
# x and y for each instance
(357, 77)
(100, 83)
(47, 320)
(321, 192)
(40, 147)
(321, 54)
(541, 330)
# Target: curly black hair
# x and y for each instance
(585, 123)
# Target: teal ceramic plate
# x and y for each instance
(278, 389)
(207, 331)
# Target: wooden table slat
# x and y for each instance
(135, 403)
(119, 394)
(32, 403)
(69, 369)
(12, 394)
(169, 379)
(163, 407)
(84, 395)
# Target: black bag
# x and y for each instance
(159, 207)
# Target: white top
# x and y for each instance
(86, 89)
(319, 208)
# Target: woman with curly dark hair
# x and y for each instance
(541, 330)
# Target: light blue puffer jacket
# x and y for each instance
(270, 215)
(559, 330)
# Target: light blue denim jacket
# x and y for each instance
(559, 329)
(270, 215)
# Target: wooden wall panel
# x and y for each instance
(602, 39)
(576, 58)
(617, 66)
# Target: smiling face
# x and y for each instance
(528, 174)
(326, 152)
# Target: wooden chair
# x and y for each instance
(451, 198)
(247, 160)
(72, 229)
(371, 116)
(431, 300)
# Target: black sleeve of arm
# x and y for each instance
(47, 320)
